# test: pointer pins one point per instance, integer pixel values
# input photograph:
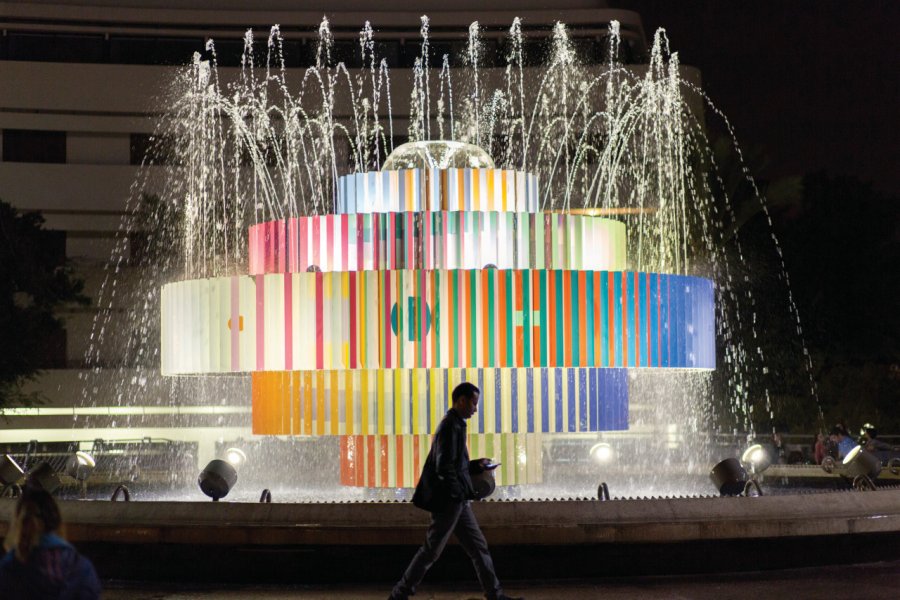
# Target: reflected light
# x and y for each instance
(235, 456)
(602, 453)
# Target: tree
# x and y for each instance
(35, 281)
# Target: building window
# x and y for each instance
(55, 47)
(27, 145)
(153, 150)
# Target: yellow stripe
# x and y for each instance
(379, 392)
(364, 402)
(335, 414)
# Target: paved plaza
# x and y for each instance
(878, 580)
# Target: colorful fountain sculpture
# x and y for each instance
(437, 269)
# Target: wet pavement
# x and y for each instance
(875, 580)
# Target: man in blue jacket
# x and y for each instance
(445, 490)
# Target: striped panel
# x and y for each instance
(415, 190)
(436, 240)
(413, 401)
(396, 461)
(433, 319)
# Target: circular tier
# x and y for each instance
(413, 401)
(437, 154)
(437, 240)
(396, 461)
(413, 190)
(474, 318)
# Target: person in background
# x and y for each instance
(820, 449)
(39, 563)
(842, 441)
(869, 439)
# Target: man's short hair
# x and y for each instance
(464, 390)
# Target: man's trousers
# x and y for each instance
(459, 520)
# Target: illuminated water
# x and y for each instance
(264, 143)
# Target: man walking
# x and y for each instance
(445, 490)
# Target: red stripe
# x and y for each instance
(330, 260)
(302, 243)
(345, 242)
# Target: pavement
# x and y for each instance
(874, 580)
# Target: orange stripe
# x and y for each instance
(582, 319)
(490, 190)
(295, 403)
(611, 325)
(370, 460)
(501, 322)
(460, 190)
(408, 201)
(320, 402)
(307, 402)
(445, 185)
(551, 295)
(520, 331)
(399, 439)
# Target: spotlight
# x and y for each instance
(602, 453)
(756, 458)
(80, 465)
(236, 457)
(10, 471)
(43, 476)
(730, 478)
(217, 479)
(863, 467)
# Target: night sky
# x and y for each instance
(814, 83)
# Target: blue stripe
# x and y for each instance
(545, 407)
(663, 321)
(529, 384)
(593, 400)
(582, 400)
(571, 400)
(557, 376)
(642, 308)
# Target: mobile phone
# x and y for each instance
(492, 465)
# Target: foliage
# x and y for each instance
(34, 283)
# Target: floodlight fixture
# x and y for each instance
(43, 476)
(602, 453)
(756, 458)
(10, 471)
(862, 467)
(730, 477)
(236, 457)
(80, 465)
(217, 479)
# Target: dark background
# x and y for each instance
(816, 83)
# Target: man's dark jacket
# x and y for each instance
(446, 476)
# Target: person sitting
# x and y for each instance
(869, 440)
(39, 563)
(820, 449)
(842, 441)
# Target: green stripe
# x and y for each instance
(454, 298)
(473, 311)
(526, 316)
(435, 317)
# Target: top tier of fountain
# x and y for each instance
(438, 154)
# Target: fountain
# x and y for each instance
(552, 234)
